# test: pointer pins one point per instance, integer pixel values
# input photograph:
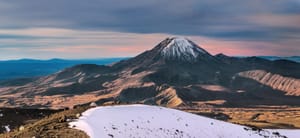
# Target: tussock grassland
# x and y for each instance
(262, 117)
(53, 126)
(56, 124)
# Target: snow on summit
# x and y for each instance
(182, 49)
(134, 121)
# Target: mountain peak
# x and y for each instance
(180, 48)
(221, 55)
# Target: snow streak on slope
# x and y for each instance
(130, 121)
(181, 48)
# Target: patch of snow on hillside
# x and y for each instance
(128, 121)
(7, 129)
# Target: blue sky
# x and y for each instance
(117, 28)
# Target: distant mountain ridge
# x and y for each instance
(95, 61)
(291, 58)
(27, 68)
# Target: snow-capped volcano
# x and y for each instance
(182, 49)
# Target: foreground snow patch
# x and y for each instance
(7, 129)
(128, 121)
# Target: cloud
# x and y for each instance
(67, 23)
(157, 16)
(66, 43)
(45, 43)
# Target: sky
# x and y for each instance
(76, 29)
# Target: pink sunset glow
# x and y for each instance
(66, 43)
